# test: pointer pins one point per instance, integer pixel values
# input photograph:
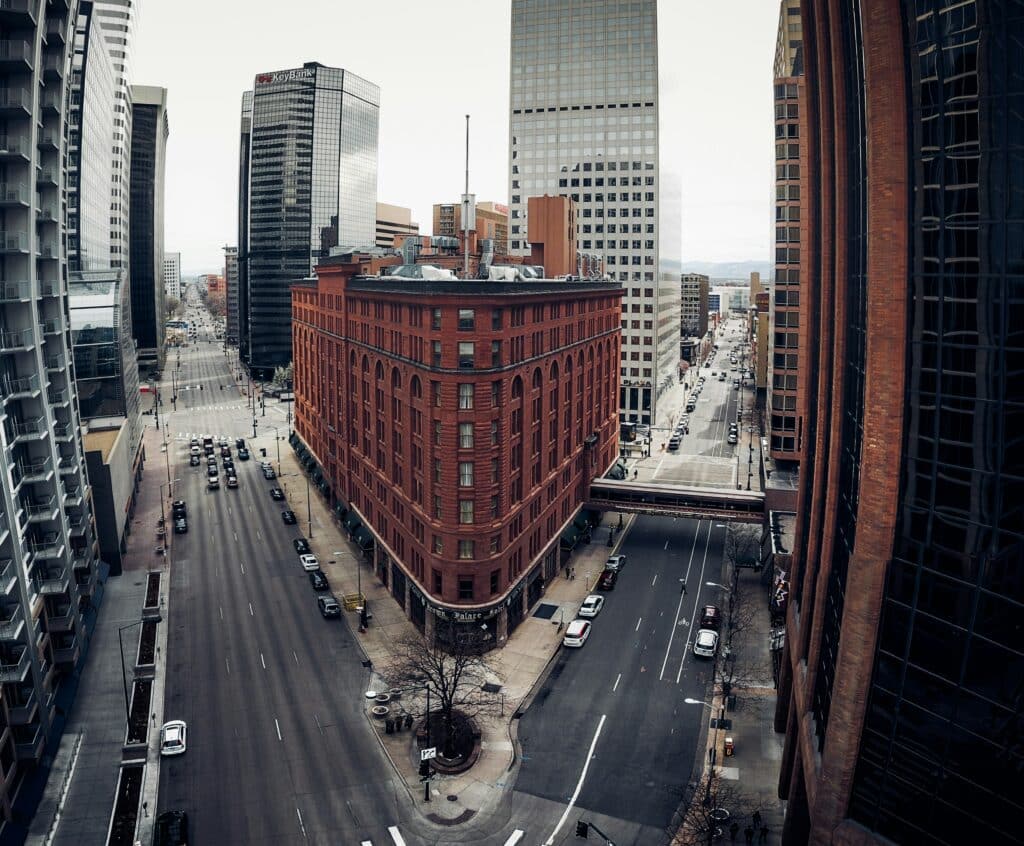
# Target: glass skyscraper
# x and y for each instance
(311, 185)
(584, 123)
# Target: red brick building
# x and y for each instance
(456, 426)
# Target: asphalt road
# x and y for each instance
(278, 749)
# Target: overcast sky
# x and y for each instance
(716, 89)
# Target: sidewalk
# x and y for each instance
(79, 796)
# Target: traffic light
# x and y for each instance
(582, 829)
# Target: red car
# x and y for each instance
(607, 580)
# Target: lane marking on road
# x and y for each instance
(251, 614)
(262, 661)
(579, 785)
(679, 604)
(514, 837)
(616, 685)
(301, 825)
(703, 566)
(277, 725)
(396, 835)
(638, 622)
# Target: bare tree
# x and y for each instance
(454, 674)
(714, 804)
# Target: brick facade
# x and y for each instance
(465, 463)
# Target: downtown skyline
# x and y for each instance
(726, 176)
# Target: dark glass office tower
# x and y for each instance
(149, 141)
(903, 693)
(312, 184)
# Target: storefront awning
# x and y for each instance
(363, 537)
(569, 537)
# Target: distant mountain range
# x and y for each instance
(729, 269)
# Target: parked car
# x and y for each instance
(711, 617)
(705, 645)
(288, 517)
(309, 562)
(615, 562)
(607, 580)
(277, 494)
(173, 737)
(577, 633)
(318, 579)
(329, 606)
(591, 606)
(171, 829)
(301, 545)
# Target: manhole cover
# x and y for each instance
(545, 611)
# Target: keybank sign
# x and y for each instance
(284, 76)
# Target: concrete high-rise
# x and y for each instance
(48, 551)
(585, 123)
(172, 275)
(116, 19)
(901, 684)
(311, 184)
(148, 145)
(230, 295)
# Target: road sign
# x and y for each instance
(428, 753)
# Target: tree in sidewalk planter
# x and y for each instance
(455, 670)
(700, 821)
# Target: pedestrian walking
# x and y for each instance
(734, 829)
(748, 835)
(764, 835)
(757, 820)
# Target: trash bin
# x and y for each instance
(729, 747)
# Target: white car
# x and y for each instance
(577, 633)
(592, 605)
(309, 562)
(173, 737)
(705, 645)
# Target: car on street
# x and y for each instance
(180, 525)
(591, 606)
(318, 579)
(288, 517)
(301, 545)
(705, 645)
(710, 617)
(243, 454)
(171, 829)
(232, 481)
(277, 494)
(173, 737)
(607, 580)
(329, 606)
(577, 633)
(615, 562)
(309, 562)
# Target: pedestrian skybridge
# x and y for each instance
(669, 499)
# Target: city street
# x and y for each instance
(278, 748)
